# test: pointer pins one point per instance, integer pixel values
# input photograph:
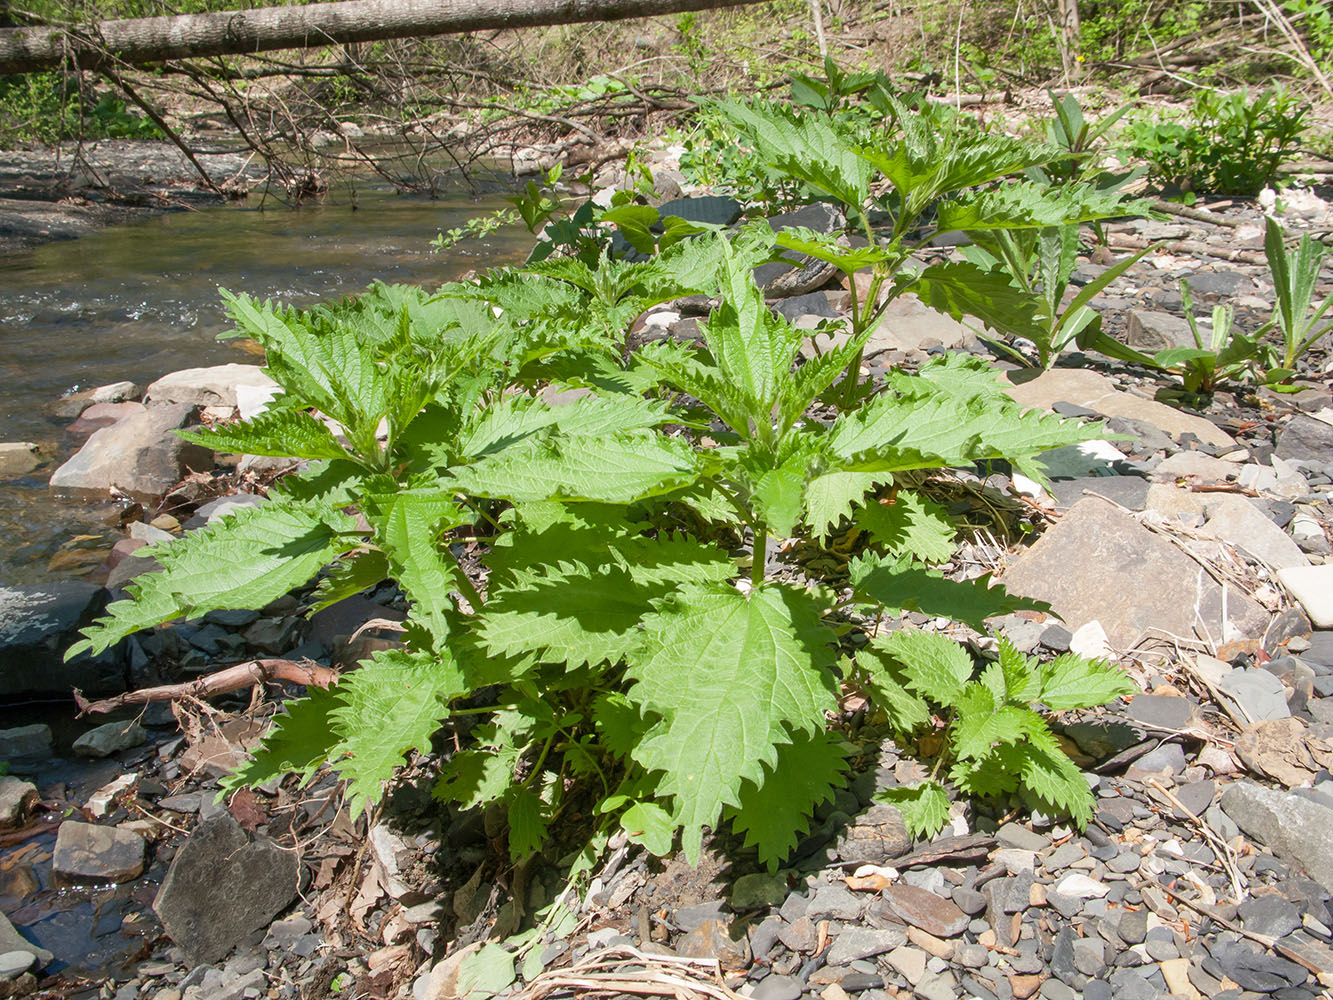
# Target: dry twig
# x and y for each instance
(234, 678)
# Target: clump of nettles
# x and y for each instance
(621, 663)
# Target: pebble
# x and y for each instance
(921, 908)
(14, 963)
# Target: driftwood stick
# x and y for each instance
(235, 678)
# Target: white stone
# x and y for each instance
(1312, 587)
(661, 320)
(212, 386)
(100, 802)
(1090, 640)
(1080, 886)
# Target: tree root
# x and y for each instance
(235, 678)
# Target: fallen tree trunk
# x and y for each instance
(140, 40)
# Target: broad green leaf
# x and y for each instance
(619, 724)
(757, 666)
(407, 526)
(825, 247)
(909, 524)
(246, 560)
(982, 722)
(897, 585)
(393, 704)
(349, 577)
(527, 825)
(830, 497)
(300, 742)
(650, 826)
(619, 468)
(773, 816)
(960, 288)
(933, 665)
(886, 682)
(925, 806)
(281, 433)
(1073, 681)
(486, 973)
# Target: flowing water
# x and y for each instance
(136, 301)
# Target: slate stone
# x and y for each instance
(12, 940)
(1015, 835)
(836, 902)
(687, 918)
(1133, 926)
(1312, 586)
(221, 887)
(716, 939)
(855, 943)
(1098, 564)
(1168, 757)
(1128, 491)
(214, 386)
(1152, 331)
(778, 988)
(1163, 711)
(1271, 915)
(810, 304)
(1261, 972)
(924, 909)
(1196, 796)
(1291, 826)
(877, 836)
(1305, 438)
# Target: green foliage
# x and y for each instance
(47, 107)
(1294, 278)
(625, 663)
(1227, 353)
(994, 738)
(1231, 143)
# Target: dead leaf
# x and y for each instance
(367, 895)
(246, 808)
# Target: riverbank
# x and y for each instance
(70, 191)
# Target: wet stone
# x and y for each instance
(14, 963)
(86, 852)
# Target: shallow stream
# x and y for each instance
(137, 301)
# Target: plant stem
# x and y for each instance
(759, 556)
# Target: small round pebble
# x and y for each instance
(971, 956)
(14, 963)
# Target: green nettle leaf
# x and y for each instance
(934, 666)
(246, 560)
(527, 825)
(886, 680)
(910, 524)
(925, 806)
(829, 497)
(757, 668)
(896, 584)
(393, 704)
(281, 433)
(621, 468)
(826, 247)
(772, 816)
(1073, 681)
(982, 722)
(1013, 678)
(619, 724)
(651, 826)
(349, 577)
(407, 525)
(300, 742)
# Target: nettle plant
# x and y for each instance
(636, 651)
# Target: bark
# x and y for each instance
(136, 41)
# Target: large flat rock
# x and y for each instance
(1097, 392)
(221, 887)
(1099, 564)
(1291, 826)
(1231, 518)
(138, 455)
(38, 622)
(213, 386)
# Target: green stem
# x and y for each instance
(759, 556)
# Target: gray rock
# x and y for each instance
(687, 918)
(836, 902)
(1164, 711)
(1167, 757)
(18, 458)
(778, 988)
(909, 324)
(1127, 491)
(69, 407)
(810, 304)
(971, 956)
(857, 942)
(14, 963)
(1291, 826)
(1013, 835)
(38, 622)
(25, 742)
(138, 455)
(12, 940)
(215, 386)
(1128, 579)
(1208, 286)
(1133, 926)
(221, 887)
(878, 835)
(17, 798)
(110, 738)
(1271, 915)
(1233, 519)
(1307, 439)
(764, 936)
(1259, 971)
(1259, 694)
(1151, 331)
(86, 852)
